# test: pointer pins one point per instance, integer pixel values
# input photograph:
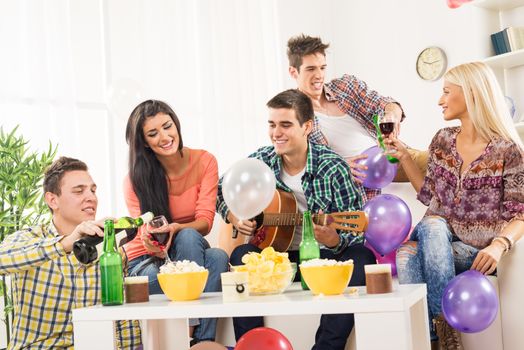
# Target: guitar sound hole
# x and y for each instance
(259, 219)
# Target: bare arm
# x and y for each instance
(488, 258)
(415, 176)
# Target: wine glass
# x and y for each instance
(386, 123)
(158, 229)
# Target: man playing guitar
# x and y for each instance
(321, 181)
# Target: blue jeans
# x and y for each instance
(433, 256)
(188, 244)
(333, 330)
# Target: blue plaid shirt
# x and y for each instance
(326, 182)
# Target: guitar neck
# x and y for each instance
(291, 219)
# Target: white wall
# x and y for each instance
(216, 63)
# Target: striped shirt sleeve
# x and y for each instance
(25, 250)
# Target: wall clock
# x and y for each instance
(431, 63)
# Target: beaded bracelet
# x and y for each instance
(506, 242)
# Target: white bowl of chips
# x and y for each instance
(269, 272)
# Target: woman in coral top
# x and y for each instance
(180, 183)
(473, 189)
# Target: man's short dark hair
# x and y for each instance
(303, 45)
(56, 171)
(295, 100)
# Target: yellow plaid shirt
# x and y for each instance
(47, 284)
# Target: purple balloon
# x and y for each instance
(470, 302)
(389, 258)
(380, 172)
(389, 222)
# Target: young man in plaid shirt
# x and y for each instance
(48, 281)
(344, 107)
(320, 180)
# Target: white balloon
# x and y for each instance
(248, 188)
(123, 95)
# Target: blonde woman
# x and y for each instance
(473, 189)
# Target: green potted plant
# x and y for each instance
(22, 204)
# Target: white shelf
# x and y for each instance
(506, 60)
(498, 5)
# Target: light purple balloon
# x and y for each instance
(389, 222)
(470, 302)
(380, 172)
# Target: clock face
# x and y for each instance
(431, 63)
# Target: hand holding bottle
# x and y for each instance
(86, 228)
(88, 246)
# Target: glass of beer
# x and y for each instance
(378, 278)
(136, 289)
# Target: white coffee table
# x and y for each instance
(395, 320)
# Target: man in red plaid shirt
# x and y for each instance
(344, 107)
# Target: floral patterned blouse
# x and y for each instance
(485, 198)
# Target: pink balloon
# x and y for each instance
(389, 258)
(263, 338)
(453, 4)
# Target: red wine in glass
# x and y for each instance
(160, 237)
(386, 128)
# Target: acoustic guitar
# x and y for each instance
(276, 224)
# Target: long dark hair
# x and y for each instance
(146, 173)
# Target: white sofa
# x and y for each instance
(505, 333)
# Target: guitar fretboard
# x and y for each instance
(290, 219)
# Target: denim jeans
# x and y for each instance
(187, 245)
(333, 330)
(433, 256)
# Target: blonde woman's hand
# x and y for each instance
(488, 258)
(396, 148)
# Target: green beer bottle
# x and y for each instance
(89, 248)
(309, 248)
(127, 222)
(111, 268)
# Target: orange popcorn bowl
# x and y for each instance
(183, 286)
(274, 282)
(327, 280)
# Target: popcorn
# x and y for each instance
(325, 262)
(181, 267)
(269, 271)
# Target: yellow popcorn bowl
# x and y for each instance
(327, 280)
(183, 286)
(270, 283)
